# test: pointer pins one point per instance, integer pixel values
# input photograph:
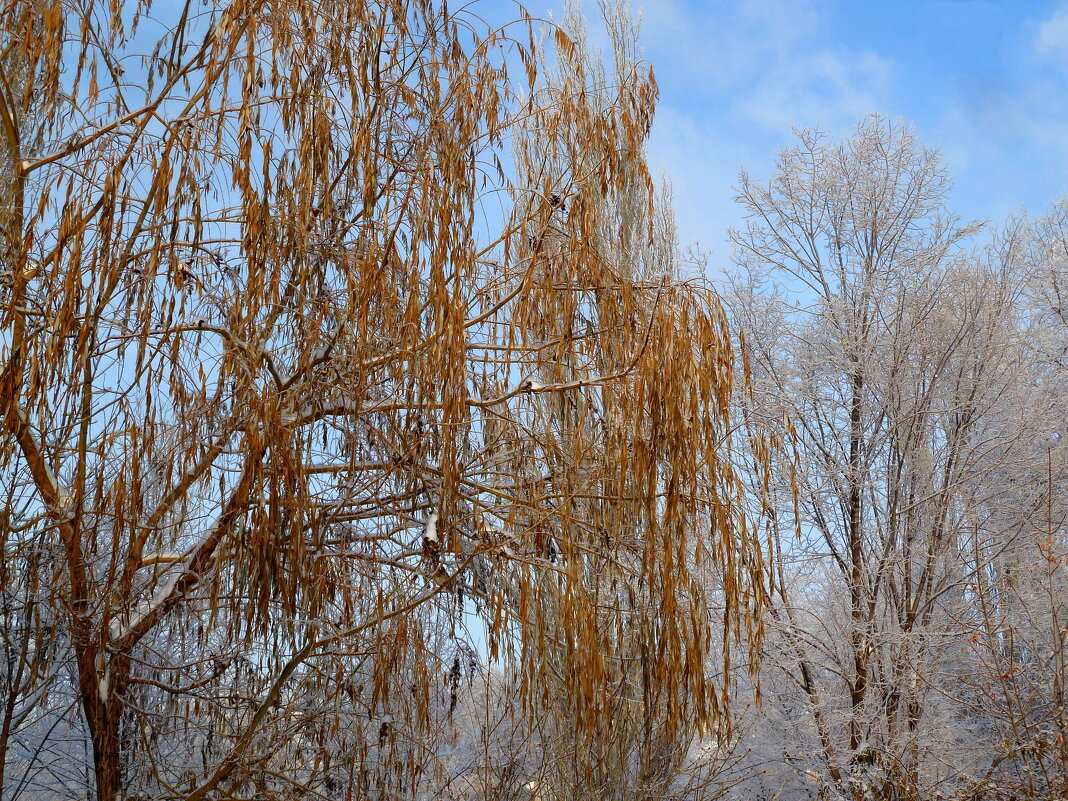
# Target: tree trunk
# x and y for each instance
(858, 689)
(102, 709)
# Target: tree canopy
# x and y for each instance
(326, 341)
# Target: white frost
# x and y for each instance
(125, 623)
(430, 533)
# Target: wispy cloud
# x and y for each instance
(1052, 38)
(737, 76)
(822, 89)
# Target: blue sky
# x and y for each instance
(985, 82)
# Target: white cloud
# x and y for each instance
(736, 76)
(702, 169)
(771, 61)
(724, 42)
(823, 89)
(1052, 39)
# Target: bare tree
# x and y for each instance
(887, 342)
(1014, 621)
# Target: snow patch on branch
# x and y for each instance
(430, 532)
(103, 685)
(128, 621)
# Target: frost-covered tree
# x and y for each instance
(883, 344)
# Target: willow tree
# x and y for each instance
(299, 371)
(636, 466)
